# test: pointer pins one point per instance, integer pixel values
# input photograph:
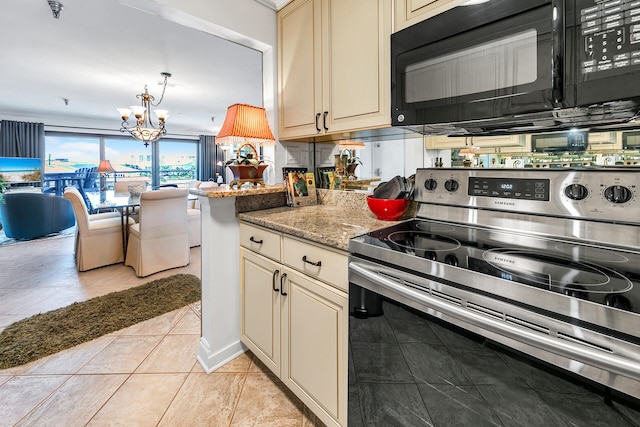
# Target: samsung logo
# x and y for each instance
(505, 260)
(498, 202)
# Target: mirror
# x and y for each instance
(381, 159)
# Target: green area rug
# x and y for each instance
(48, 333)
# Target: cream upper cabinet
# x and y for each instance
(409, 12)
(294, 316)
(450, 142)
(334, 66)
(605, 140)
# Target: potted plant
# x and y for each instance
(246, 167)
(352, 164)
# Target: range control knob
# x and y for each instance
(576, 192)
(451, 260)
(451, 185)
(617, 194)
(431, 184)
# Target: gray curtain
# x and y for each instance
(210, 155)
(21, 139)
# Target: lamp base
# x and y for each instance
(240, 182)
(247, 173)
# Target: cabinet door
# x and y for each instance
(260, 307)
(314, 342)
(299, 69)
(409, 12)
(444, 142)
(356, 64)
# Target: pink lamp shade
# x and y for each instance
(245, 123)
(105, 167)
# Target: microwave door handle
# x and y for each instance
(557, 50)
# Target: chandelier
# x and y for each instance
(145, 130)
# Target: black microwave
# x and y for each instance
(560, 142)
(518, 66)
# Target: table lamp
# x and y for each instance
(248, 126)
(103, 169)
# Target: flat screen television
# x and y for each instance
(21, 170)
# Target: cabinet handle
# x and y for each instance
(318, 127)
(255, 241)
(317, 264)
(282, 292)
(324, 120)
(273, 281)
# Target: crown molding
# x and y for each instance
(274, 4)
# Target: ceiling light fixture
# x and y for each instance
(144, 129)
(56, 7)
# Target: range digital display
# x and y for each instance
(510, 188)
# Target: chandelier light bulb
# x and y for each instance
(138, 110)
(124, 113)
(162, 114)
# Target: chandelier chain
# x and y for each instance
(164, 87)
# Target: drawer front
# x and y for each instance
(260, 240)
(315, 261)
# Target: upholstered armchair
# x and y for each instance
(160, 240)
(194, 218)
(30, 215)
(99, 237)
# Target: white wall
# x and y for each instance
(246, 22)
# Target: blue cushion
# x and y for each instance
(31, 215)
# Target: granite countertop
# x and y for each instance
(225, 191)
(330, 225)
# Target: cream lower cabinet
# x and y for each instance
(293, 322)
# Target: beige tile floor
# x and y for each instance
(144, 375)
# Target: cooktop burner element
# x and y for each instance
(523, 258)
(423, 241)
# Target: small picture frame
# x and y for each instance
(302, 187)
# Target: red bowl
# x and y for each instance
(388, 209)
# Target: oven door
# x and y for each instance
(485, 61)
(579, 351)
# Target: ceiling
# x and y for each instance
(99, 54)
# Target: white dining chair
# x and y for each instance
(160, 240)
(99, 237)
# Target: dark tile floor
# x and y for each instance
(408, 369)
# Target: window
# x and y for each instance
(178, 162)
(67, 153)
(130, 158)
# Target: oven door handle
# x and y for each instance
(557, 50)
(403, 293)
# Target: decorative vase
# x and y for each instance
(247, 173)
(351, 169)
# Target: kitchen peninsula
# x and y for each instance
(220, 342)
(251, 248)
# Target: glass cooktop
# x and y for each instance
(596, 273)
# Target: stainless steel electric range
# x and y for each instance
(544, 263)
